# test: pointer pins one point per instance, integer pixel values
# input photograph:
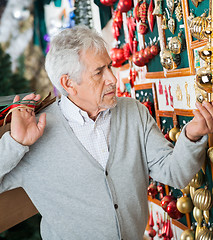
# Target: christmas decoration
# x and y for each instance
(143, 28)
(173, 132)
(152, 189)
(117, 56)
(178, 12)
(151, 230)
(124, 5)
(176, 44)
(117, 24)
(187, 235)
(158, 8)
(150, 16)
(131, 31)
(184, 204)
(108, 2)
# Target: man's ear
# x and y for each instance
(68, 85)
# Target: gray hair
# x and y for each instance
(65, 51)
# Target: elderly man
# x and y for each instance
(88, 174)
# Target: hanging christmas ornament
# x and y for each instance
(150, 16)
(131, 31)
(204, 78)
(176, 44)
(197, 25)
(164, 21)
(108, 2)
(170, 96)
(143, 28)
(207, 31)
(170, 5)
(154, 49)
(205, 234)
(158, 8)
(166, 96)
(169, 233)
(187, 95)
(127, 51)
(190, 17)
(167, 136)
(152, 189)
(210, 154)
(169, 60)
(188, 234)
(138, 59)
(171, 25)
(117, 24)
(132, 77)
(160, 190)
(184, 204)
(178, 12)
(198, 216)
(136, 11)
(179, 94)
(173, 132)
(124, 5)
(160, 88)
(172, 210)
(202, 198)
(185, 190)
(151, 230)
(166, 200)
(117, 56)
(147, 53)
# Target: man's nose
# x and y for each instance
(110, 78)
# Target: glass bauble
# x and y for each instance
(204, 78)
(202, 199)
(184, 205)
(205, 234)
(169, 60)
(206, 53)
(187, 235)
(175, 45)
(197, 25)
(197, 180)
(207, 30)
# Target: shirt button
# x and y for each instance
(106, 173)
(116, 206)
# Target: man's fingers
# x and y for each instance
(42, 123)
(32, 96)
(206, 111)
(16, 98)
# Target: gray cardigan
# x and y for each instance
(76, 197)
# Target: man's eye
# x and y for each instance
(98, 73)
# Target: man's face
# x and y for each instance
(97, 90)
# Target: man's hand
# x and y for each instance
(24, 128)
(202, 123)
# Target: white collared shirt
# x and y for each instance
(93, 135)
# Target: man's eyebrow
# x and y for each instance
(102, 67)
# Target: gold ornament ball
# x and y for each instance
(173, 132)
(184, 205)
(177, 135)
(187, 235)
(186, 190)
(210, 153)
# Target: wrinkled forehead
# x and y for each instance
(93, 57)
